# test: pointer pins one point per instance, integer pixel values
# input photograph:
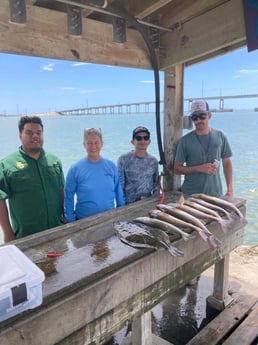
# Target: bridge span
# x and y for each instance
(145, 107)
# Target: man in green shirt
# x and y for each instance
(32, 180)
(199, 154)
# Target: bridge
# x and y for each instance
(145, 107)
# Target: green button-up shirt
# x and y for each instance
(33, 189)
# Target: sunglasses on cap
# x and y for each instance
(199, 116)
(140, 138)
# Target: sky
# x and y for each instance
(32, 85)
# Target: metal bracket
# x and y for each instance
(18, 11)
(119, 30)
(74, 20)
(154, 33)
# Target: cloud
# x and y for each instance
(247, 71)
(48, 67)
(244, 71)
(68, 88)
(78, 64)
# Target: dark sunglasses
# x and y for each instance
(140, 138)
(200, 116)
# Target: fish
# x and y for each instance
(222, 203)
(202, 213)
(191, 221)
(169, 228)
(134, 236)
(174, 211)
(211, 206)
(140, 236)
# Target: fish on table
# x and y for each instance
(181, 218)
(140, 236)
(221, 203)
(169, 228)
(201, 212)
(210, 206)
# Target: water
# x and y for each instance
(64, 137)
(178, 317)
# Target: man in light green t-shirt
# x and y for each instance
(201, 153)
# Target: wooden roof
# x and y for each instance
(107, 31)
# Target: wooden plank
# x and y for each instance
(45, 34)
(146, 8)
(225, 322)
(247, 332)
(155, 340)
(191, 42)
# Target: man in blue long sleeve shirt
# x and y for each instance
(94, 181)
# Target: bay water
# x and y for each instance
(63, 136)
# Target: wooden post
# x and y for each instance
(141, 330)
(220, 298)
(173, 111)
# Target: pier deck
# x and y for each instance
(236, 325)
(100, 284)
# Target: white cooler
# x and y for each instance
(20, 282)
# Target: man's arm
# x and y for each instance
(228, 173)
(207, 168)
(5, 222)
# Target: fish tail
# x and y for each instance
(224, 224)
(203, 235)
(242, 219)
(213, 242)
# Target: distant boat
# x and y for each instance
(255, 109)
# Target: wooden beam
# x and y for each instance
(45, 35)
(204, 36)
(173, 110)
(180, 12)
(147, 7)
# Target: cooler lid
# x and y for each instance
(16, 268)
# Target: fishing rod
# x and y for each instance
(120, 12)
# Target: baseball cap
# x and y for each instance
(139, 130)
(199, 107)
